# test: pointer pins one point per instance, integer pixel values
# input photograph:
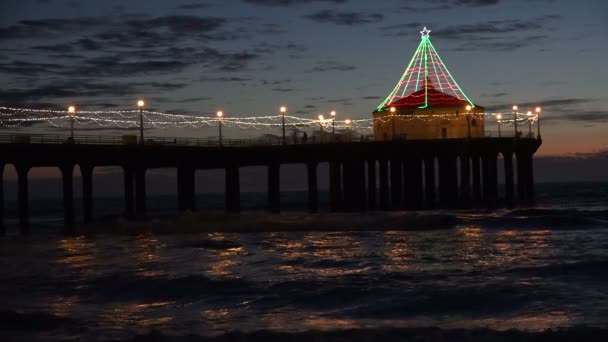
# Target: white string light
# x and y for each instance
(11, 117)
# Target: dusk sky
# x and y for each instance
(247, 57)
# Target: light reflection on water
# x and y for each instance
(133, 314)
(146, 250)
(398, 252)
(470, 276)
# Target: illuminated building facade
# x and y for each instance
(427, 103)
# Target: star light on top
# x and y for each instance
(425, 32)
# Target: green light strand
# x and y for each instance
(416, 55)
(419, 68)
(456, 83)
(434, 62)
(392, 94)
(426, 77)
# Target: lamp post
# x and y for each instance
(333, 123)
(72, 112)
(538, 110)
(393, 110)
(347, 122)
(529, 114)
(515, 119)
(283, 110)
(321, 118)
(141, 104)
(220, 115)
(468, 108)
(499, 119)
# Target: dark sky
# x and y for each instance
(247, 57)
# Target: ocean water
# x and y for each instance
(526, 269)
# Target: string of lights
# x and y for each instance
(11, 117)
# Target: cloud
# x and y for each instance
(45, 28)
(339, 100)
(475, 3)
(565, 109)
(283, 90)
(331, 66)
(178, 24)
(275, 82)
(192, 99)
(345, 18)
(466, 31)
(492, 35)
(552, 104)
(193, 6)
(591, 116)
(435, 5)
(399, 29)
(287, 3)
(495, 95)
(84, 89)
(156, 61)
(225, 79)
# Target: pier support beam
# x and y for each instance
(348, 202)
(274, 188)
(465, 181)
(87, 192)
(490, 179)
(354, 185)
(384, 194)
(140, 191)
(23, 198)
(67, 175)
(359, 185)
(371, 185)
(429, 182)
(233, 190)
(313, 193)
(396, 184)
(448, 181)
(335, 186)
(476, 165)
(2, 227)
(129, 183)
(509, 182)
(413, 183)
(186, 194)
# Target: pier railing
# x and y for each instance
(208, 141)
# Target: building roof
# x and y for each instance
(428, 97)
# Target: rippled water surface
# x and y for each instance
(522, 269)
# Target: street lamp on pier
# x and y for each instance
(321, 119)
(515, 119)
(499, 119)
(538, 110)
(468, 108)
(283, 111)
(393, 110)
(71, 113)
(348, 122)
(140, 105)
(220, 115)
(333, 122)
(529, 114)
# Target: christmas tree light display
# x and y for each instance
(426, 82)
